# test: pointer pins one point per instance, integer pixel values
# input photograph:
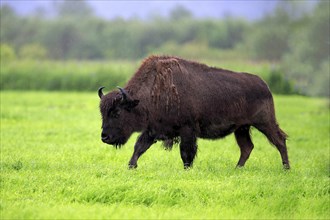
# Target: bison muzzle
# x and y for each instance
(169, 98)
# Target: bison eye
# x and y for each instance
(114, 113)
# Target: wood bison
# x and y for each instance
(171, 98)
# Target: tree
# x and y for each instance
(62, 39)
(308, 60)
(180, 13)
(9, 24)
(73, 8)
(268, 43)
(269, 38)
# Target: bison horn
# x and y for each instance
(100, 92)
(123, 92)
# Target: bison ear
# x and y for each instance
(129, 104)
(123, 93)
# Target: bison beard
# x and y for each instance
(171, 99)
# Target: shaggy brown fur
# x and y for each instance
(169, 97)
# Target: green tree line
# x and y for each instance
(292, 37)
(69, 36)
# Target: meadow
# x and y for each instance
(54, 166)
(50, 75)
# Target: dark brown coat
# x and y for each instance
(169, 97)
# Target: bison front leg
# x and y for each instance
(142, 145)
(188, 147)
(245, 144)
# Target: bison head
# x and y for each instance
(119, 116)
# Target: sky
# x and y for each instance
(248, 9)
(144, 9)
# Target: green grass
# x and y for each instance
(64, 75)
(89, 75)
(53, 165)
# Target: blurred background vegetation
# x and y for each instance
(76, 50)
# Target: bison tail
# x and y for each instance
(283, 134)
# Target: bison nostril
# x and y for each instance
(104, 137)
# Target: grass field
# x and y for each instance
(87, 75)
(54, 165)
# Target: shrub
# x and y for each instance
(33, 51)
(7, 53)
(279, 84)
(64, 76)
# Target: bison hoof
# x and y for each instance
(187, 166)
(286, 166)
(132, 166)
(239, 166)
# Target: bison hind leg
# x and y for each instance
(243, 138)
(277, 137)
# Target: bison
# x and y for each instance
(170, 98)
